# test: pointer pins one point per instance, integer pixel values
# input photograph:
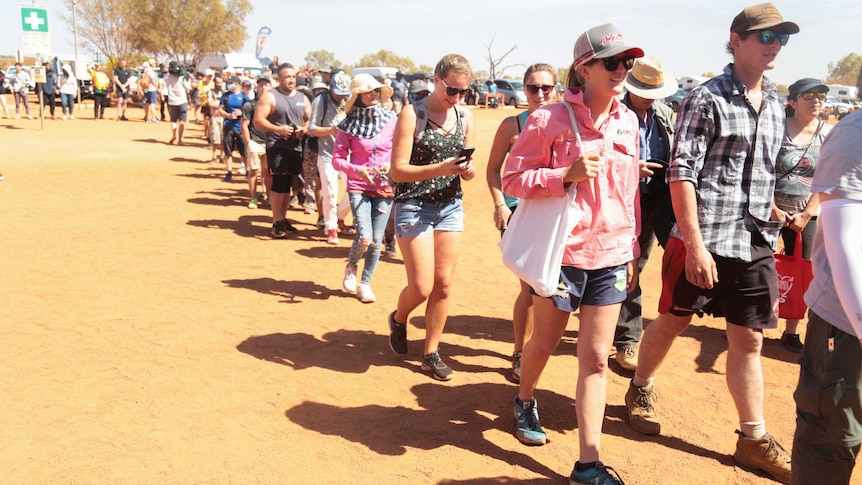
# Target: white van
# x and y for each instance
(378, 72)
(844, 93)
(218, 62)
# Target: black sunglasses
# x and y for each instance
(534, 88)
(768, 36)
(450, 91)
(612, 63)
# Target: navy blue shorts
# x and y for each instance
(595, 287)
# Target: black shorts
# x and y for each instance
(746, 293)
(284, 160)
(233, 140)
(205, 110)
(123, 94)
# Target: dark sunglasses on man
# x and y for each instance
(768, 36)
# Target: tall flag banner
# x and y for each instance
(262, 35)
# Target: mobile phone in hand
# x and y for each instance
(466, 153)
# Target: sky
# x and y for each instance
(688, 36)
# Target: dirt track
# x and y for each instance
(154, 333)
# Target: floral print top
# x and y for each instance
(434, 147)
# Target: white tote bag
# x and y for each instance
(535, 239)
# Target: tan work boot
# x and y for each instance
(764, 454)
(627, 358)
(640, 411)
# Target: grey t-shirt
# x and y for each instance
(324, 114)
(839, 173)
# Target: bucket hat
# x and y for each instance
(365, 83)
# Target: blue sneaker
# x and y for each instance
(600, 475)
(529, 430)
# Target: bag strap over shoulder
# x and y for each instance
(422, 119)
(574, 125)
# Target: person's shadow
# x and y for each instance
(458, 416)
(288, 291)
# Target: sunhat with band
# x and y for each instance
(649, 80)
(365, 83)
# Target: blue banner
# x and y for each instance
(262, 35)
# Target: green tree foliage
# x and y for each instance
(188, 30)
(846, 71)
(104, 25)
(323, 58)
(387, 58)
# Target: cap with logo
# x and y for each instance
(340, 83)
(601, 42)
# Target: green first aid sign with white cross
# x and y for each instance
(34, 19)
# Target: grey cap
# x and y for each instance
(602, 42)
(247, 82)
(418, 86)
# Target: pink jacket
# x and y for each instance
(607, 235)
(352, 152)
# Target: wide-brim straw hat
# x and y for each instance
(365, 83)
(649, 80)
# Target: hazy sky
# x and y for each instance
(688, 36)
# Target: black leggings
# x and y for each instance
(99, 105)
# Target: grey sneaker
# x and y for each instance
(516, 366)
(529, 430)
(600, 475)
(397, 336)
(439, 370)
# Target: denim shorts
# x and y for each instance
(414, 217)
(594, 287)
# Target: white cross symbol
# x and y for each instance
(34, 20)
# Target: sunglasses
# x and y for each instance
(810, 96)
(534, 88)
(768, 36)
(450, 91)
(612, 63)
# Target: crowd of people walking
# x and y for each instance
(715, 185)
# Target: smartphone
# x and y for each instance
(466, 153)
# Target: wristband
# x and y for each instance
(499, 205)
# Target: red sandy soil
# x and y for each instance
(153, 332)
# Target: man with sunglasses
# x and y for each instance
(719, 259)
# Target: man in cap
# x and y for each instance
(399, 92)
(230, 107)
(326, 113)
(255, 144)
(418, 91)
(283, 114)
(719, 259)
(645, 83)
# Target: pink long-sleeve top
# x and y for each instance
(607, 234)
(350, 153)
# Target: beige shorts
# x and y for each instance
(256, 155)
(216, 130)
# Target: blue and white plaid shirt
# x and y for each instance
(728, 150)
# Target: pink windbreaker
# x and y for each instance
(607, 234)
(352, 152)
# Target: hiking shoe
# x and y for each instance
(278, 229)
(627, 358)
(440, 371)
(640, 411)
(529, 431)
(516, 366)
(765, 455)
(228, 177)
(288, 227)
(332, 237)
(792, 342)
(364, 293)
(349, 283)
(397, 336)
(600, 475)
(252, 204)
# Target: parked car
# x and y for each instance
(675, 100)
(837, 107)
(512, 91)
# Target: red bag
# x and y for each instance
(794, 276)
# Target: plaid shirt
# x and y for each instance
(728, 151)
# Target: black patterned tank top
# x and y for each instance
(434, 147)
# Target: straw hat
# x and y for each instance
(365, 83)
(648, 80)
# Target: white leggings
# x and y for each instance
(331, 211)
